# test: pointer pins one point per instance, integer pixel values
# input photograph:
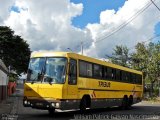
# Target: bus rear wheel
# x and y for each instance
(124, 105)
(130, 102)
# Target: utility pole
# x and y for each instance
(82, 48)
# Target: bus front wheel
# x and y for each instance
(51, 111)
(83, 104)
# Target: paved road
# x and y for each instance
(139, 111)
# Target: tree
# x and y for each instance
(14, 51)
(140, 58)
(146, 59)
(153, 64)
(120, 56)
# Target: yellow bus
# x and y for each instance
(64, 80)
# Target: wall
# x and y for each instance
(3, 81)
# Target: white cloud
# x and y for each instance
(5, 6)
(47, 25)
(140, 29)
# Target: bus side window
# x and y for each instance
(97, 71)
(118, 75)
(139, 79)
(124, 76)
(72, 76)
(113, 74)
(134, 78)
(109, 73)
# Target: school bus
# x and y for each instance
(64, 80)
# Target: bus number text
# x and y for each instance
(104, 84)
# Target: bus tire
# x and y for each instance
(51, 111)
(130, 102)
(83, 105)
(124, 105)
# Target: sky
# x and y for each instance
(92, 10)
(99, 24)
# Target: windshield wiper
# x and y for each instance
(32, 82)
(50, 82)
(47, 79)
(37, 78)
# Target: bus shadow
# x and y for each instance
(108, 113)
(72, 114)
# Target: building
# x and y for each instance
(3, 81)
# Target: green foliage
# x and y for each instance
(120, 56)
(156, 92)
(12, 79)
(139, 58)
(14, 51)
(146, 58)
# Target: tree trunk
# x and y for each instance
(151, 89)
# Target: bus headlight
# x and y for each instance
(25, 102)
(52, 104)
(57, 105)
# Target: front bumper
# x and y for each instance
(51, 104)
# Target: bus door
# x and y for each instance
(72, 78)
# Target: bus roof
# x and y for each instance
(81, 57)
(48, 54)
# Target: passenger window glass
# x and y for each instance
(117, 75)
(89, 69)
(85, 69)
(97, 71)
(109, 73)
(82, 68)
(72, 79)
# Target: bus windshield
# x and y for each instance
(50, 70)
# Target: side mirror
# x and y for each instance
(69, 74)
(29, 71)
(50, 81)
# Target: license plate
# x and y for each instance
(39, 104)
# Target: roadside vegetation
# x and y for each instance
(145, 58)
(14, 52)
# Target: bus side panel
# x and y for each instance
(114, 90)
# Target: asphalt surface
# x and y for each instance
(143, 110)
